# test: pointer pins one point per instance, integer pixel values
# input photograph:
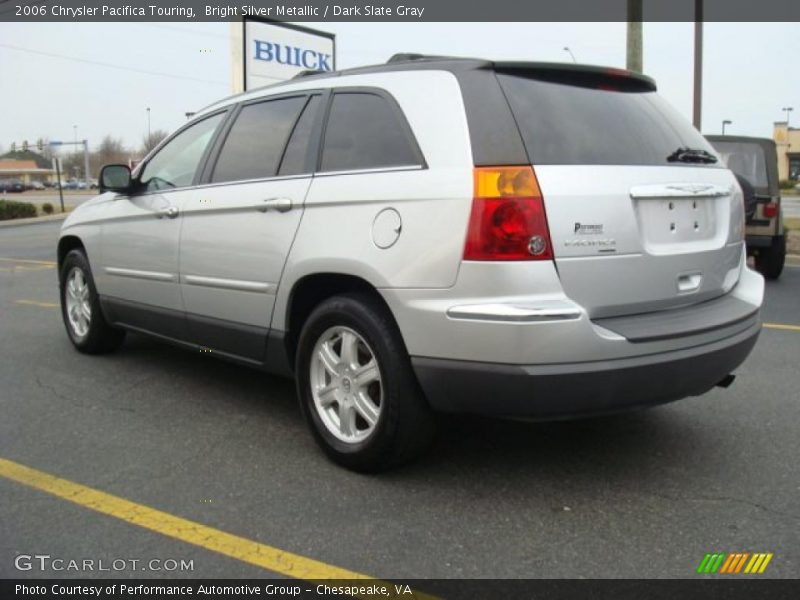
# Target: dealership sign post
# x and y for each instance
(265, 52)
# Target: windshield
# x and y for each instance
(567, 124)
(747, 160)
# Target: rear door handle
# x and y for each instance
(276, 204)
(170, 212)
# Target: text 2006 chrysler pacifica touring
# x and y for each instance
(453, 235)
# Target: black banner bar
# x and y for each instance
(742, 587)
(395, 10)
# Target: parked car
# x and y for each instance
(12, 186)
(37, 185)
(74, 184)
(430, 235)
(756, 160)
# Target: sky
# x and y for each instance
(115, 71)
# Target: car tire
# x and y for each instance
(83, 317)
(365, 419)
(769, 261)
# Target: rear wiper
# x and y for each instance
(692, 155)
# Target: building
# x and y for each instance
(24, 170)
(787, 140)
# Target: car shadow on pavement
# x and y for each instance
(628, 449)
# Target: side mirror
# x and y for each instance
(115, 178)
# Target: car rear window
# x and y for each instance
(747, 160)
(596, 123)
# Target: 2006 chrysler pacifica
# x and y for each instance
(433, 234)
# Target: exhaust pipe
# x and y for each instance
(726, 381)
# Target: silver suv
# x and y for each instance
(430, 235)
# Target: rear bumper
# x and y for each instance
(575, 389)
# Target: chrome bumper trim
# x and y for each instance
(512, 313)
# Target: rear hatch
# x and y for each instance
(643, 215)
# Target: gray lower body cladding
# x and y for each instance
(572, 390)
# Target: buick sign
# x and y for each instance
(292, 55)
(267, 52)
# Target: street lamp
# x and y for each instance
(787, 110)
(725, 122)
(148, 122)
(75, 133)
(567, 50)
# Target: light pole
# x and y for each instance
(787, 110)
(75, 135)
(633, 53)
(697, 104)
(148, 124)
(567, 50)
(725, 122)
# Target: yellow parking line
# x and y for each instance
(267, 557)
(782, 326)
(49, 263)
(32, 267)
(37, 303)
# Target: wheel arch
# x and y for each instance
(68, 243)
(309, 291)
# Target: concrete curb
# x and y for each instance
(34, 220)
(793, 260)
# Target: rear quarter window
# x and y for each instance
(367, 131)
(566, 124)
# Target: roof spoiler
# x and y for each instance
(575, 74)
(584, 75)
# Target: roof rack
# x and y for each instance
(307, 73)
(411, 56)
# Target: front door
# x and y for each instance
(139, 259)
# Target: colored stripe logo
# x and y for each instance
(734, 563)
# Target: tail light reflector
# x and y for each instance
(508, 220)
(770, 210)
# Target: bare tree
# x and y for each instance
(151, 141)
(111, 150)
(72, 164)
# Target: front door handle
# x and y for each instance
(170, 212)
(277, 204)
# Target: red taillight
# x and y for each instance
(508, 221)
(769, 210)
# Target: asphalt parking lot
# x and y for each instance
(644, 494)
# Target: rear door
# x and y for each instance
(238, 228)
(642, 214)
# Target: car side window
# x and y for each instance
(365, 131)
(255, 143)
(175, 165)
(295, 159)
